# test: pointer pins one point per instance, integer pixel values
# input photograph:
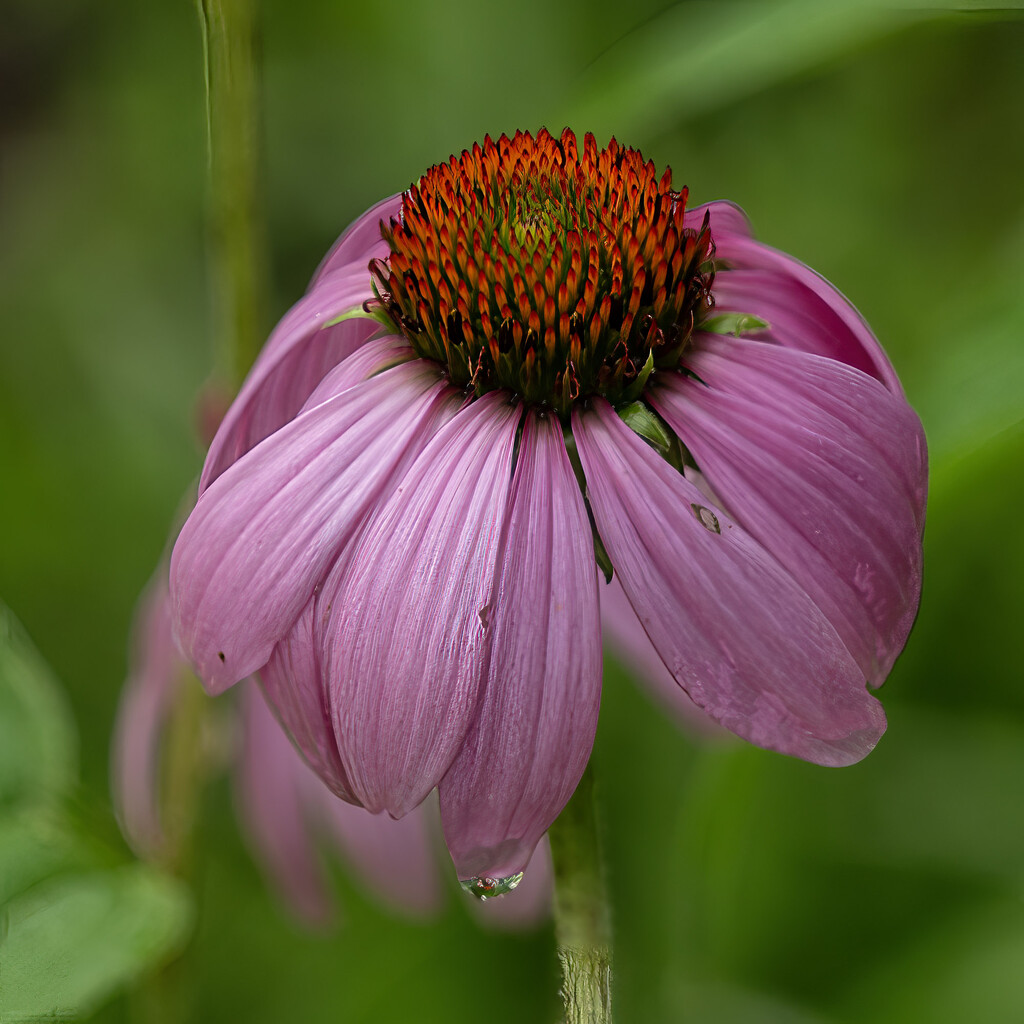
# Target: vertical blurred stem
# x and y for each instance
(582, 918)
(165, 997)
(187, 769)
(239, 271)
(238, 234)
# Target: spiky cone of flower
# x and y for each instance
(288, 817)
(401, 519)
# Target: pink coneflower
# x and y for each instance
(402, 531)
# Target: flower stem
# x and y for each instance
(239, 267)
(582, 920)
(238, 234)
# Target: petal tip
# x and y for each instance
(847, 749)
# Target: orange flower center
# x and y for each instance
(552, 273)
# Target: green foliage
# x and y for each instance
(642, 421)
(38, 746)
(735, 323)
(77, 938)
(75, 923)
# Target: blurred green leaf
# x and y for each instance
(71, 942)
(968, 970)
(34, 845)
(701, 56)
(938, 767)
(966, 633)
(38, 744)
(969, 392)
(70, 934)
(725, 1004)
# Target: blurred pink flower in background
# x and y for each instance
(398, 530)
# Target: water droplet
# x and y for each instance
(486, 888)
(706, 518)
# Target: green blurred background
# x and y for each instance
(885, 148)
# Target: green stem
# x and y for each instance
(187, 768)
(239, 268)
(238, 233)
(582, 919)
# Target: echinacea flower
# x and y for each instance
(401, 529)
(286, 813)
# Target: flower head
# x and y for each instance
(401, 530)
(545, 272)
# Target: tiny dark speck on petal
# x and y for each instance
(220, 654)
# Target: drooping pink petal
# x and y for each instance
(815, 490)
(537, 715)
(627, 640)
(797, 317)
(725, 219)
(294, 689)
(738, 634)
(361, 241)
(800, 305)
(266, 531)
(401, 619)
(395, 860)
(298, 353)
(374, 357)
(155, 680)
(839, 392)
(804, 310)
(269, 784)
(529, 903)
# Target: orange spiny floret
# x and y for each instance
(544, 242)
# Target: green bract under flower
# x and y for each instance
(552, 273)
